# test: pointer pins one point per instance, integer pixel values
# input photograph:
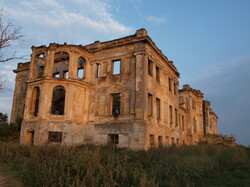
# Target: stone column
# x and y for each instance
(140, 86)
(32, 74)
(49, 64)
(73, 65)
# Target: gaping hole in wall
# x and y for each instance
(171, 115)
(157, 74)
(29, 139)
(40, 63)
(150, 106)
(81, 68)
(113, 139)
(172, 141)
(58, 100)
(160, 141)
(98, 70)
(152, 140)
(55, 136)
(158, 108)
(35, 101)
(116, 102)
(61, 64)
(116, 67)
(150, 67)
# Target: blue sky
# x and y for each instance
(209, 42)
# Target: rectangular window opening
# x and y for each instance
(80, 73)
(158, 108)
(98, 70)
(150, 101)
(157, 74)
(113, 139)
(150, 67)
(160, 141)
(56, 75)
(172, 141)
(116, 103)
(55, 136)
(116, 67)
(65, 74)
(151, 139)
(176, 118)
(171, 115)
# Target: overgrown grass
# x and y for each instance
(9, 132)
(203, 165)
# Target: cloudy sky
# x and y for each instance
(209, 42)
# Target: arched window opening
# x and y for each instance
(81, 68)
(40, 63)
(58, 100)
(61, 65)
(35, 101)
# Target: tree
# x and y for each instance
(3, 119)
(8, 34)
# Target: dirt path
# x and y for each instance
(6, 178)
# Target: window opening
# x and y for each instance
(116, 104)
(151, 139)
(176, 118)
(150, 106)
(66, 74)
(150, 67)
(40, 70)
(113, 139)
(158, 108)
(56, 75)
(81, 68)
(58, 100)
(98, 72)
(35, 101)
(30, 137)
(116, 67)
(160, 141)
(157, 74)
(171, 115)
(55, 136)
(61, 63)
(172, 141)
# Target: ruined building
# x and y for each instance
(123, 92)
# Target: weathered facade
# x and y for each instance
(123, 92)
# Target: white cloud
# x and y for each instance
(73, 22)
(156, 20)
(8, 67)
